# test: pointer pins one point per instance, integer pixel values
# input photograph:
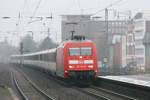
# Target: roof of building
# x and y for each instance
(140, 15)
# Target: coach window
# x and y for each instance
(36, 57)
(52, 57)
(41, 57)
(30, 58)
(25, 58)
(45, 57)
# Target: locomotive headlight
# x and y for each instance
(71, 66)
(90, 66)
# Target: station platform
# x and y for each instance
(143, 80)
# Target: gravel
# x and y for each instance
(5, 81)
(5, 78)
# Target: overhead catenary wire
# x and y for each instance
(34, 13)
(37, 7)
(110, 5)
(17, 23)
(85, 9)
(20, 15)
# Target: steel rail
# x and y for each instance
(79, 89)
(113, 93)
(92, 93)
(36, 87)
(18, 88)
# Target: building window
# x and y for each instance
(139, 23)
(139, 51)
(140, 60)
(139, 42)
(139, 32)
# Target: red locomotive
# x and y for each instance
(75, 59)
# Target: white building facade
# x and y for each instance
(140, 28)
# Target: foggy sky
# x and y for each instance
(56, 7)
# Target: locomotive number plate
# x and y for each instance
(81, 62)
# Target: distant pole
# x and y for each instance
(48, 32)
(73, 28)
(107, 37)
(106, 21)
(31, 33)
(21, 52)
(72, 32)
(21, 48)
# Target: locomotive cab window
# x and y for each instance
(86, 51)
(74, 51)
(83, 51)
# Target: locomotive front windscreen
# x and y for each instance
(83, 51)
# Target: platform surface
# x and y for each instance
(143, 80)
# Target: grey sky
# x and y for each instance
(57, 7)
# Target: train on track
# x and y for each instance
(72, 59)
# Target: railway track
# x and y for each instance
(95, 92)
(19, 88)
(28, 89)
(87, 91)
(92, 93)
(99, 93)
(112, 94)
(67, 86)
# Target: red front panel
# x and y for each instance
(80, 63)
